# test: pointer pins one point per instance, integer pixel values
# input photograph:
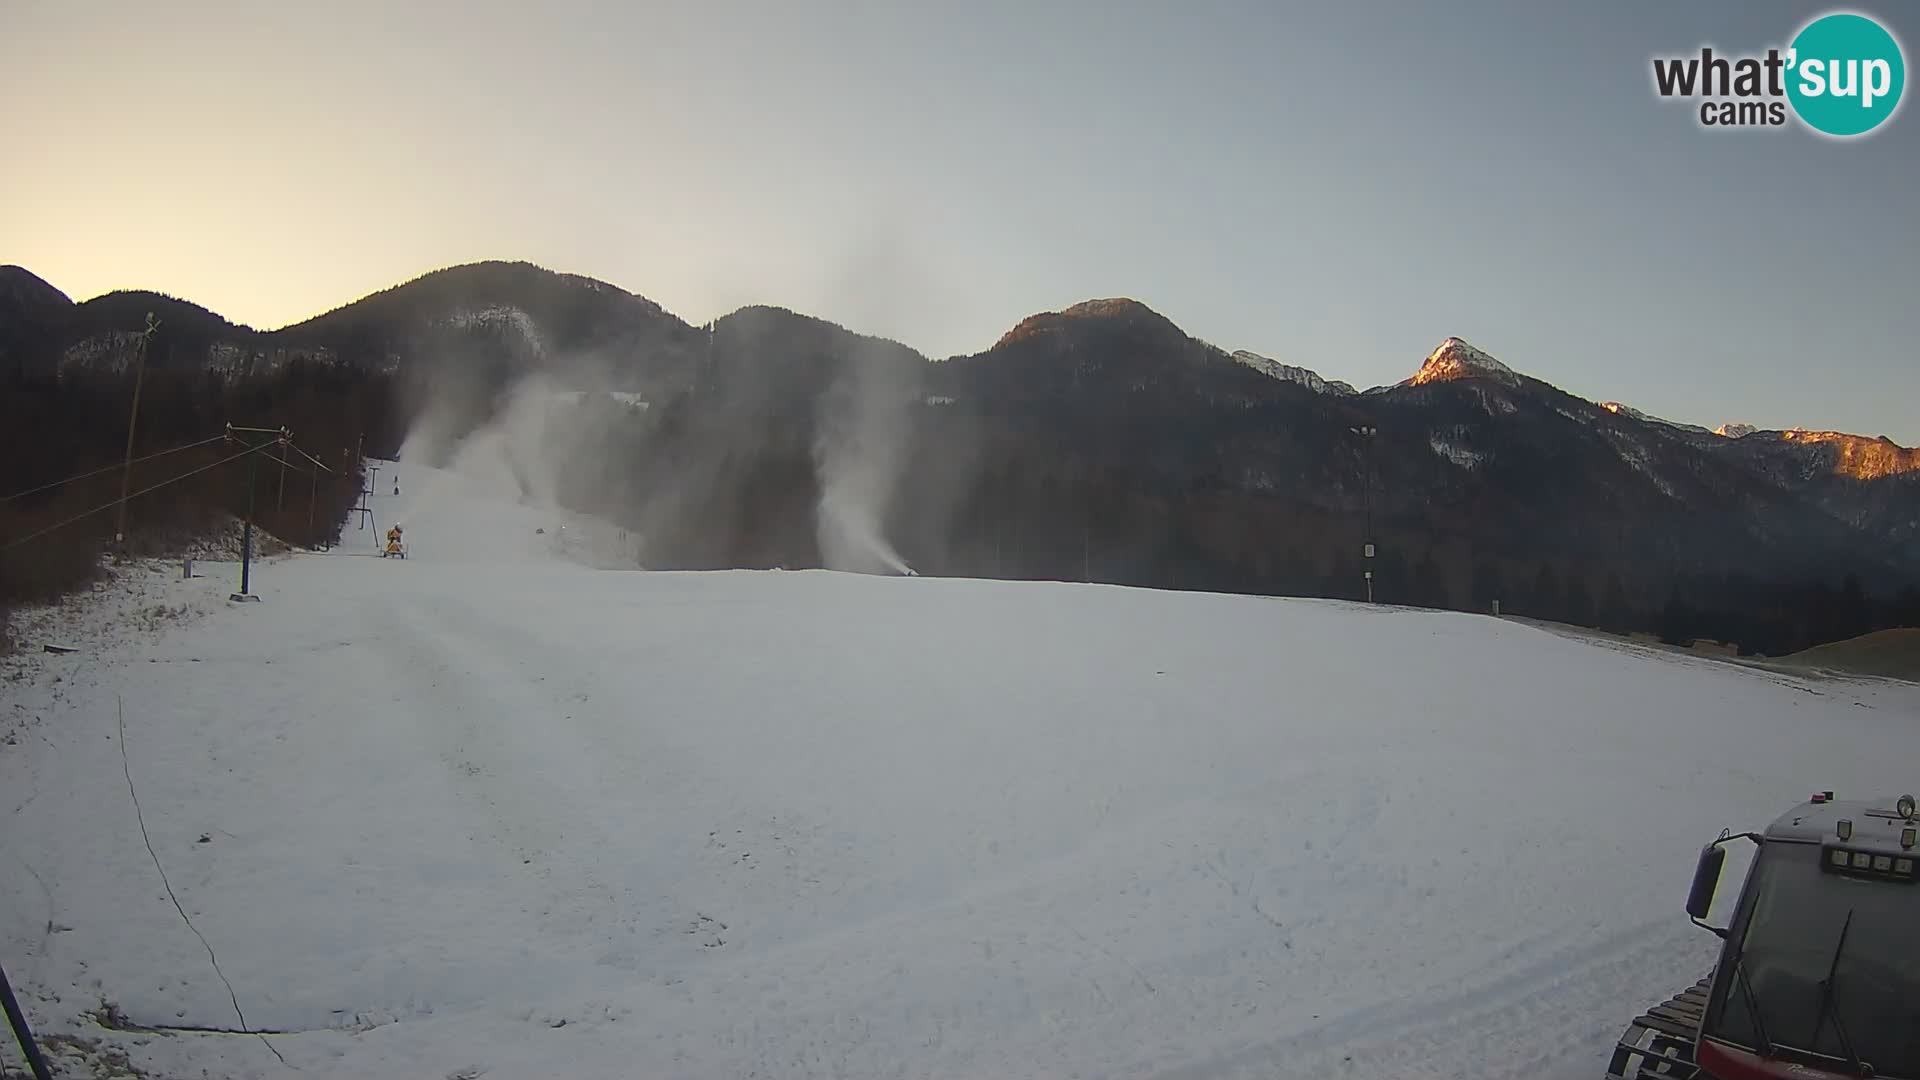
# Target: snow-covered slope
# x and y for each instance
(491, 812)
(1619, 409)
(1310, 379)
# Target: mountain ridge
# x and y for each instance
(1453, 359)
(1098, 442)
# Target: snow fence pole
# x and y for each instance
(21, 1032)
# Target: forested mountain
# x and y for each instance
(1099, 442)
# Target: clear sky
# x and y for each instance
(1339, 186)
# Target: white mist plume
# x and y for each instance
(862, 423)
(527, 452)
(510, 454)
(860, 433)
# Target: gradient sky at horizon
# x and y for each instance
(1337, 187)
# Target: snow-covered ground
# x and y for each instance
(489, 811)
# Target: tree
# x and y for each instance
(1578, 606)
(1904, 609)
(1851, 613)
(1616, 613)
(1488, 586)
(1546, 601)
(1429, 584)
(1676, 624)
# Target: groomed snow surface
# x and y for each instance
(491, 812)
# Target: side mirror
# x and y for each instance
(1706, 879)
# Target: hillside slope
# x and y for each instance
(1892, 654)
(491, 811)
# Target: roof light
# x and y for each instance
(1821, 796)
(1904, 807)
(1870, 863)
(1845, 829)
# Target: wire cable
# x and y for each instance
(120, 709)
(109, 468)
(135, 495)
(284, 463)
(296, 449)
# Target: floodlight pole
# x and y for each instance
(1366, 433)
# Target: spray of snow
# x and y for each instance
(526, 455)
(862, 424)
(508, 456)
(859, 436)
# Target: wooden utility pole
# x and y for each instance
(277, 435)
(133, 421)
(313, 488)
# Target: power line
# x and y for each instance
(135, 495)
(110, 468)
(120, 709)
(309, 457)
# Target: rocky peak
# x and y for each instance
(1455, 359)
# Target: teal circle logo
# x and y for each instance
(1845, 74)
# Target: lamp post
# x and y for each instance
(1366, 432)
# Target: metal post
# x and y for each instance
(1366, 491)
(21, 1032)
(246, 535)
(133, 421)
(1366, 433)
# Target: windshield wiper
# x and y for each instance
(1830, 1004)
(1753, 1003)
(1746, 993)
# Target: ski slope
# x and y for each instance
(493, 812)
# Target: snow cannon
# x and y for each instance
(1819, 968)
